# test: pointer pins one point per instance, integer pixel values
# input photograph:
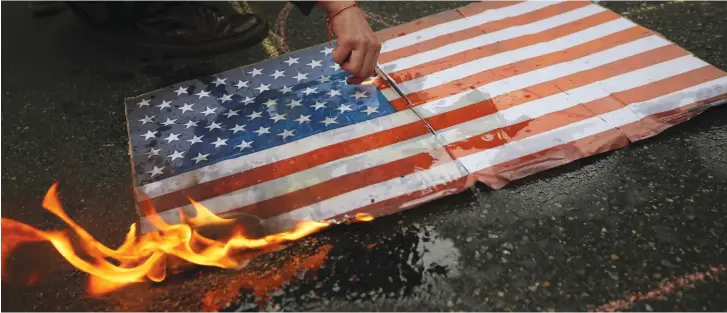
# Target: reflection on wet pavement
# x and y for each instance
(309, 275)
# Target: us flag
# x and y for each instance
(514, 88)
(283, 140)
(493, 91)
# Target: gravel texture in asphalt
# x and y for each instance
(646, 223)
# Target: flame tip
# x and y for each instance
(144, 257)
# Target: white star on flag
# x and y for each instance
(271, 103)
(301, 76)
(176, 155)
(309, 91)
(240, 84)
(220, 142)
(225, 98)
(202, 93)
(278, 74)
(237, 128)
(263, 87)
(278, 117)
(255, 115)
(231, 113)
(329, 120)
(219, 81)
(149, 135)
(200, 157)
(324, 79)
(286, 89)
(147, 119)
(291, 61)
(287, 133)
(244, 145)
(319, 105)
(314, 63)
(213, 125)
(327, 50)
(294, 103)
(209, 111)
(195, 139)
(156, 171)
(334, 93)
(359, 95)
(191, 123)
(370, 110)
(186, 107)
(152, 152)
(181, 91)
(164, 104)
(263, 130)
(172, 137)
(303, 119)
(344, 108)
(335, 67)
(255, 72)
(169, 121)
(144, 103)
(248, 100)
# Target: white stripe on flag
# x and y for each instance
(501, 35)
(637, 111)
(272, 155)
(569, 98)
(437, 175)
(592, 126)
(508, 57)
(316, 175)
(461, 24)
(447, 171)
(539, 76)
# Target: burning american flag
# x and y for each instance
(491, 92)
(283, 140)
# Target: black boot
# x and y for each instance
(174, 29)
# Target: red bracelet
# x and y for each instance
(330, 21)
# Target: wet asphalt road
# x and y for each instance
(579, 237)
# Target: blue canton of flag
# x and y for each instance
(201, 122)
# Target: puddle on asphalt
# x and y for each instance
(361, 267)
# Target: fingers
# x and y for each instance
(355, 80)
(372, 56)
(355, 63)
(362, 63)
(341, 52)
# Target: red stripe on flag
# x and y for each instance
(339, 185)
(500, 175)
(528, 65)
(286, 167)
(439, 18)
(655, 124)
(554, 120)
(396, 204)
(552, 87)
(482, 51)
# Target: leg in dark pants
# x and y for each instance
(174, 28)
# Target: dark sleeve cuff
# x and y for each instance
(305, 6)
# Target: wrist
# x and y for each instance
(333, 7)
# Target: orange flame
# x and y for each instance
(144, 257)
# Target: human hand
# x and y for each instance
(357, 49)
